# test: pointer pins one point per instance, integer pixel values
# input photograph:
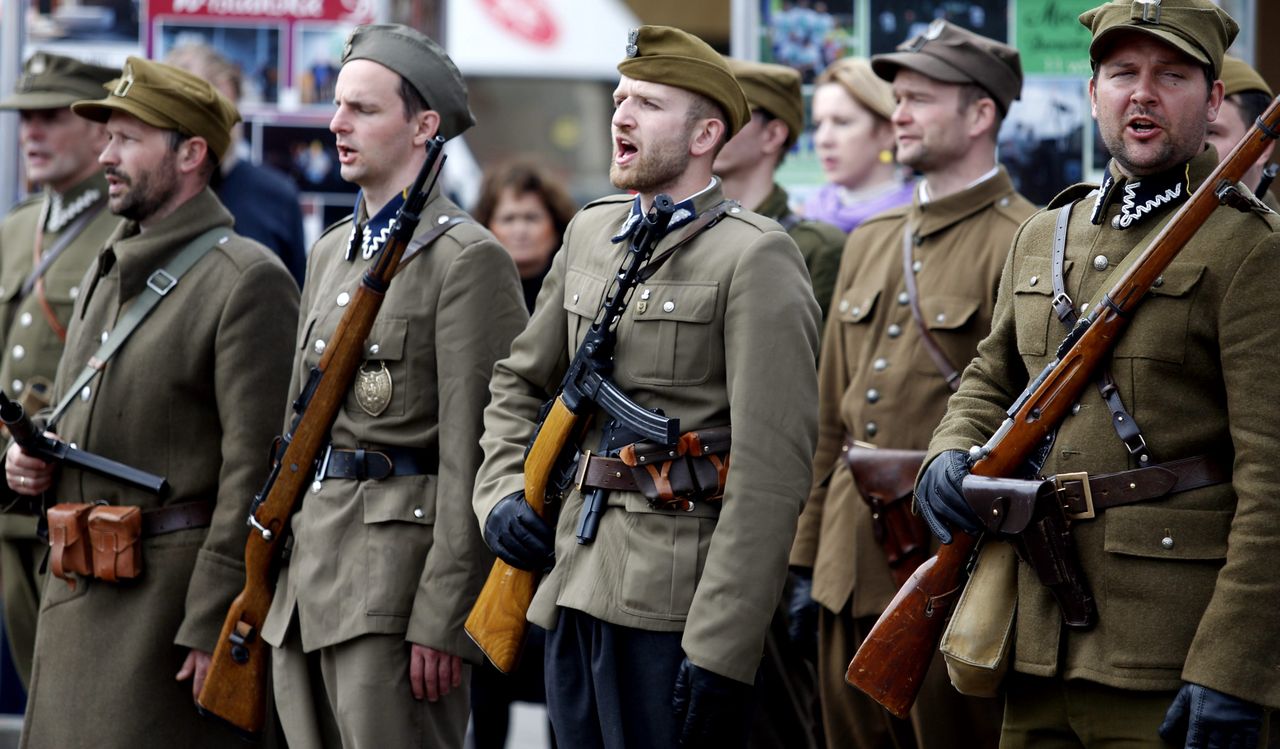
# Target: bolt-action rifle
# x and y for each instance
(235, 687)
(497, 621)
(891, 663)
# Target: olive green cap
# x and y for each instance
(867, 88)
(948, 53)
(1197, 28)
(1238, 77)
(168, 98)
(662, 54)
(422, 63)
(52, 81)
(773, 88)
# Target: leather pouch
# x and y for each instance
(885, 480)
(116, 532)
(977, 640)
(69, 550)
(676, 477)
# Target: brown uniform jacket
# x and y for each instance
(193, 396)
(1197, 369)
(727, 334)
(402, 555)
(877, 381)
(819, 243)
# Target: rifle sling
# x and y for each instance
(948, 371)
(417, 245)
(708, 219)
(159, 284)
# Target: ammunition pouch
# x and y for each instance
(105, 541)
(69, 550)
(116, 533)
(885, 479)
(674, 477)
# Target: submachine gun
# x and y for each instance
(235, 687)
(497, 621)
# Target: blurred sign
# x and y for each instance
(348, 11)
(1051, 39)
(538, 38)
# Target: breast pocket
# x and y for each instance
(1159, 327)
(583, 295)
(670, 335)
(381, 382)
(1033, 306)
(950, 320)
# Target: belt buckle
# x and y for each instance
(323, 470)
(583, 461)
(1083, 478)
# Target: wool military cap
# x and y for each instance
(945, 52)
(857, 77)
(51, 81)
(1238, 77)
(773, 88)
(661, 54)
(422, 63)
(1198, 28)
(168, 98)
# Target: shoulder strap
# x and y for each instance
(949, 372)
(708, 219)
(159, 284)
(416, 246)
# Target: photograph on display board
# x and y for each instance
(1042, 140)
(317, 55)
(83, 21)
(307, 153)
(254, 47)
(895, 21)
(807, 35)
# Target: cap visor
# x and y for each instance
(1101, 42)
(100, 110)
(40, 100)
(887, 65)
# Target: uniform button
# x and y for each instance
(1100, 263)
(903, 298)
(343, 298)
(735, 209)
(880, 364)
(873, 395)
(25, 320)
(1167, 542)
(319, 347)
(844, 305)
(668, 306)
(872, 429)
(85, 392)
(894, 330)
(74, 291)
(17, 387)
(916, 266)
(1033, 280)
(575, 298)
(1004, 201)
(1158, 282)
(103, 336)
(418, 513)
(942, 317)
(19, 352)
(646, 293)
(374, 348)
(442, 220)
(855, 311)
(316, 486)
(1075, 409)
(1115, 223)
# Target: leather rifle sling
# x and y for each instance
(949, 373)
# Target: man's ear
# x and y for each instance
(706, 136)
(775, 137)
(428, 124)
(192, 153)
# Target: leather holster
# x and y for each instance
(885, 480)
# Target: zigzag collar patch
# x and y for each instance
(375, 231)
(1141, 198)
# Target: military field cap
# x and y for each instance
(662, 54)
(51, 81)
(422, 63)
(773, 88)
(857, 77)
(945, 52)
(1238, 77)
(168, 98)
(1198, 28)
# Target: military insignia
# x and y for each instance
(38, 64)
(1147, 11)
(373, 389)
(627, 227)
(125, 83)
(61, 214)
(680, 216)
(632, 39)
(346, 49)
(935, 29)
(933, 32)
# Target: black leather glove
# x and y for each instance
(711, 710)
(1204, 718)
(802, 612)
(939, 499)
(519, 536)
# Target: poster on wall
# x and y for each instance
(253, 47)
(895, 21)
(808, 35)
(1051, 39)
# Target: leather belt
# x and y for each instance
(179, 517)
(377, 463)
(600, 472)
(1084, 496)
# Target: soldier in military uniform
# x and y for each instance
(1246, 96)
(747, 162)
(668, 605)
(1182, 569)
(46, 242)
(881, 385)
(191, 395)
(387, 558)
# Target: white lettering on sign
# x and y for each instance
(288, 8)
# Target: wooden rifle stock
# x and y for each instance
(891, 663)
(235, 686)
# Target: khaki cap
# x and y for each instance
(662, 54)
(168, 98)
(857, 77)
(773, 88)
(1197, 28)
(1238, 77)
(422, 63)
(945, 52)
(52, 81)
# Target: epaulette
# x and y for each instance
(895, 213)
(31, 200)
(344, 220)
(1078, 191)
(610, 200)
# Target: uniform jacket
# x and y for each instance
(193, 396)
(726, 334)
(402, 555)
(876, 379)
(1197, 370)
(819, 243)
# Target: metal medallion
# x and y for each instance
(373, 388)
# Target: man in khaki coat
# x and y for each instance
(878, 383)
(656, 624)
(1182, 570)
(190, 395)
(387, 559)
(58, 231)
